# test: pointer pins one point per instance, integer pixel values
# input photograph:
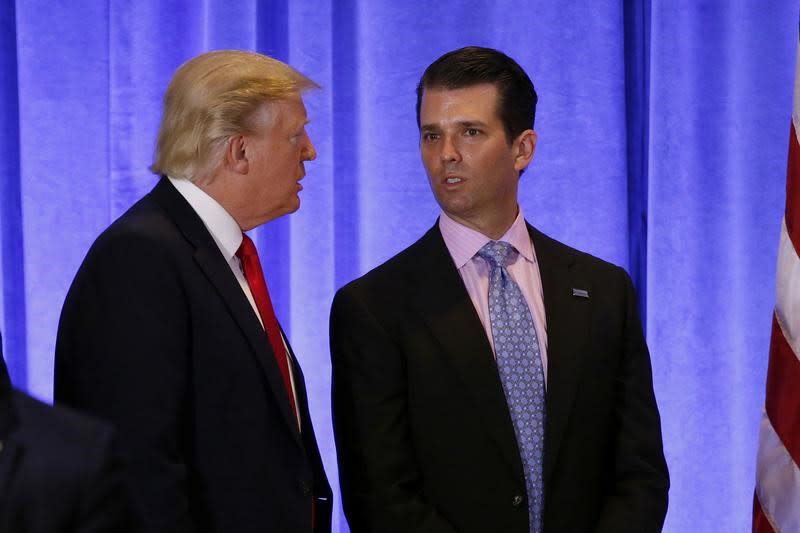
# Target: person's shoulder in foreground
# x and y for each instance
(488, 377)
(59, 470)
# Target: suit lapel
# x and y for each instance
(445, 306)
(567, 329)
(218, 273)
(299, 384)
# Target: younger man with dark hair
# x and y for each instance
(489, 378)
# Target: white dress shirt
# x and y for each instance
(228, 236)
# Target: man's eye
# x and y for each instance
(428, 137)
(472, 132)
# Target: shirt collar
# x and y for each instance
(463, 242)
(219, 223)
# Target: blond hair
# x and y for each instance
(213, 97)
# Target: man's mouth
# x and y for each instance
(450, 180)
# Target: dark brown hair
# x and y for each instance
(473, 65)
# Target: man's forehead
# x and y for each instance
(474, 103)
(474, 89)
(295, 108)
(288, 110)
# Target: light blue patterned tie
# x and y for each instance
(519, 362)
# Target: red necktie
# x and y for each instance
(248, 255)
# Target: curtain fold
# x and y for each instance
(12, 295)
(720, 107)
(637, 94)
(662, 148)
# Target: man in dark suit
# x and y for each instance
(59, 471)
(168, 330)
(489, 378)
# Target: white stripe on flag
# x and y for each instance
(787, 289)
(796, 101)
(778, 480)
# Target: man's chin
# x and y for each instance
(288, 209)
(292, 206)
(454, 209)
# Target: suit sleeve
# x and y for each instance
(104, 505)
(380, 478)
(122, 354)
(637, 501)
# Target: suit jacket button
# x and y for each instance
(516, 501)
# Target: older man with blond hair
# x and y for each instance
(168, 330)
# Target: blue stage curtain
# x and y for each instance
(663, 136)
(720, 107)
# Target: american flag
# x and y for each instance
(776, 506)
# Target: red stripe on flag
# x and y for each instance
(783, 394)
(793, 191)
(760, 522)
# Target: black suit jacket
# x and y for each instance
(59, 472)
(423, 432)
(157, 336)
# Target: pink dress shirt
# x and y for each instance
(463, 244)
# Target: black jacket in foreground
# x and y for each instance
(59, 471)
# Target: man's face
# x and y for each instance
(275, 155)
(472, 168)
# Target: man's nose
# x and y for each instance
(310, 152)
(449, 149)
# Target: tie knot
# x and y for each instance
(496, 253)
(247, 248)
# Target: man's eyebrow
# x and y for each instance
(471, 123)
(459, 123)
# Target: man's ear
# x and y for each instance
(524, 146)
(236, 155)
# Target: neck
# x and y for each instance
(220, 187)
